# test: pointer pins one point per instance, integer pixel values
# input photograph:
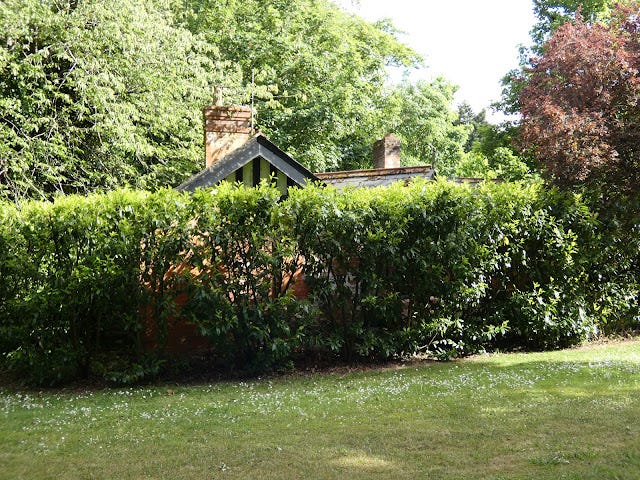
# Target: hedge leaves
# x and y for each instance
(107, 285)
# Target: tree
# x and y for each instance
(105, 93)
(580, 116)
(318, 73)
(488, 151)
(421, 114)
(96, 94)
(476, 122)
(551, 14)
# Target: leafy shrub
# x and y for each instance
(94, 285)
(445, 268)
(385, 264)
(75, 288)
(242, 266)
(614, 262)
(126, 370)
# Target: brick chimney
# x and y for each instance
(386, 152)
(225, 130)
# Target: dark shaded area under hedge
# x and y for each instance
(433, 267)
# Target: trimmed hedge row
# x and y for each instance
(432, 267)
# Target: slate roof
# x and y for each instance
(375, 177)
(257, 147)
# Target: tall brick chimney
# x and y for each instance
(225, 130)
(386, 152)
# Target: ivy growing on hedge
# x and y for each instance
(92, 285)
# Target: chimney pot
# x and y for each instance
(218, 95)
(386, 152)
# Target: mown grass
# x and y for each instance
(566, 414)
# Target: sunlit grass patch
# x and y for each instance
(364, 461)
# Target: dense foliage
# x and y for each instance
(99, 285)
(579, 106)
(99, 94)
(552, 14)
(318, 73)
(71, 283)
(421, 115)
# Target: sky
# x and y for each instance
(472, 43)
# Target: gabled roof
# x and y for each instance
(375, 177)
(257, 147)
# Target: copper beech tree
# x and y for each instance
(580, 105)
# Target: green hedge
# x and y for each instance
(448, 269)
(72, 272)
(432, 267)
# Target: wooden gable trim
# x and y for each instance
(245, 157)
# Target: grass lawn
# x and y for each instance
(566, 414)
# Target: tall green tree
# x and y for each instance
(98, 93)
(318, 73)
(422, 115)
(476, 122)
(102, 93)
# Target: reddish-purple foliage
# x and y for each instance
(580, 106)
